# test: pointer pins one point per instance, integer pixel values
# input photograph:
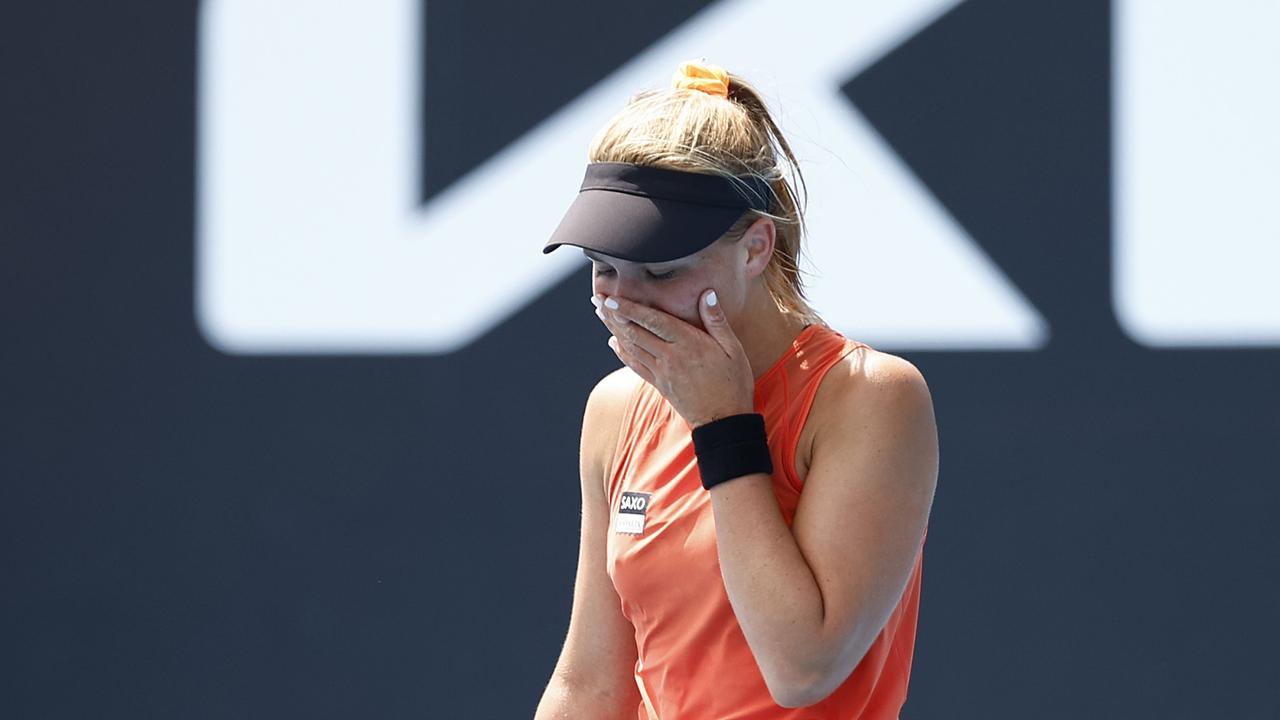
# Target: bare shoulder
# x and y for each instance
(602, 423)
(867, 371)
(609, 397)
(866, 386)
(868, 382)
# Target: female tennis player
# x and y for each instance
(756, 487)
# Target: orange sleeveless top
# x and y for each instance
(693, 660)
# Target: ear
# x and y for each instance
(759, 241)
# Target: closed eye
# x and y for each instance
(605, 272)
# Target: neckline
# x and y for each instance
(799, 340)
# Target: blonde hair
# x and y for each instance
(694, 131)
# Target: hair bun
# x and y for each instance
(702, 76)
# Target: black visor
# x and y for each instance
(648, 214)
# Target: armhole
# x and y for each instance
(802, 414)
(624, 425)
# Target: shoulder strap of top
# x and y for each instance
(837, 347)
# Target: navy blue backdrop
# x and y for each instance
(186, 533)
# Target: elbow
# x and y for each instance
(800, 684)
(791, 699)
(801, 687)
(796, 695)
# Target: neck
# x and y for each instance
(769, 334)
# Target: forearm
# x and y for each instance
(563, 701)
(773, 592)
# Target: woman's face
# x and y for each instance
(673, 287)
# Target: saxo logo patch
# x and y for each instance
(632, 509)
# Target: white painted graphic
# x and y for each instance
(311, 238)
(1196, 189)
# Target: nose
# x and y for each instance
(601, 285)
(620, 286)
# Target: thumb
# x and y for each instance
(713, 318)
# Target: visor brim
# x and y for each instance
(640, 228)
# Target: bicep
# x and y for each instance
(599, 653)
(865, 505)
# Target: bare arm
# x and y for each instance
(811, 598)
(594, 676)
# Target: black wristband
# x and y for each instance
(732, 447)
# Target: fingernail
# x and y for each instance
(611, 303)
(595, 301)
(600, 313)
(711, 298)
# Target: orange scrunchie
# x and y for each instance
(699, 75)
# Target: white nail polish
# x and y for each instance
(611, 304)
(595, 301)
(599, 313)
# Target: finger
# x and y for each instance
(639, 337)
(717, 324)
(604, 319)
(633, 333)
(660, 324)
(630, 359)
(637, 350)
(610, 324)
